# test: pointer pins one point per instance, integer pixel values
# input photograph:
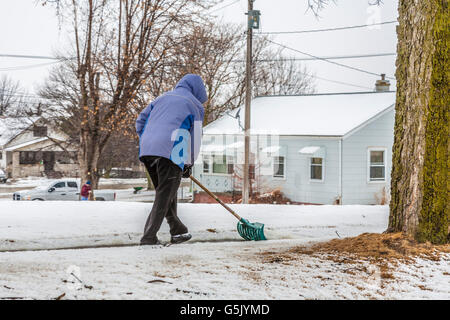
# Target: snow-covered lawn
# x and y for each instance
(215, 264)
(31, 182)
(122, 187)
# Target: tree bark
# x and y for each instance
(419, 184)
(88, 158)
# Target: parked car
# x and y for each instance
(3, 177)
(61, 190)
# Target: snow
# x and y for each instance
(311, 115)
(32, 182)
(213, 265)
(309, 150)
(53, 224)
(11, 127)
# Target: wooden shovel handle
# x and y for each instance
(215, 197)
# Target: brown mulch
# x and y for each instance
(385, 250)
(390, 246)
(275, 196)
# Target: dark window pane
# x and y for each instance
(376, 173)
(376, 157)
(278, 170)
(278, 166)
(72, 184)
(39, 131)
(316, 172)
(219, 164)
(316, 160)
(206, 165)
(29, 157)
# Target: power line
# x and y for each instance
(228, 5)
(325, 60)
(341, 82)
(321, 58)
(17, 68)
(328, 29)
(32, 57)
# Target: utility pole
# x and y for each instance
(253, 23)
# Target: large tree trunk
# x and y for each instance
(419, 184)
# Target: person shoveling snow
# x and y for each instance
(169, 130)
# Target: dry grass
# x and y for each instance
(374, 246)
(384, 250)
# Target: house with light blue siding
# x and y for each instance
(316, 148)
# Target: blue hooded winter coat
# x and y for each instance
(171, 125)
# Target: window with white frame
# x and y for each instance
(278, 167)
(206, 163)
(377, 164)
(218, 164)
(316, 165)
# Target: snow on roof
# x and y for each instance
(11, 127)
(309, 150)
(310, 115)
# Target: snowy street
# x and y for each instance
(215, 264)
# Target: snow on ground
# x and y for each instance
(213, 265)
(53, 224)
(122, 187)
(33, 182)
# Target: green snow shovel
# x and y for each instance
(247, 230)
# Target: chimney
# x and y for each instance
(383, 84)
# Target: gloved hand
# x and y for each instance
(187, 171)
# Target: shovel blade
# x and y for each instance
(251, 231)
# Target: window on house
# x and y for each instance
(1, 155)
(219, 164)
(206, 163)
(29, 157)
(278, 167)
(39, 131)
(377, 166)
(317, 169)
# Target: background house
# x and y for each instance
(320, 148)
(29, 147)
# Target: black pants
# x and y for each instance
(166, 177)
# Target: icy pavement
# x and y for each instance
(216, 265)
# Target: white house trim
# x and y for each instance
(26, 144)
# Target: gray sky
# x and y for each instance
(30, 29)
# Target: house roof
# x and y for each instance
(26, 144)
(11, 127)
(307, 115)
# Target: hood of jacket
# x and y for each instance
(195, 85)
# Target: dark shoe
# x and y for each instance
(179, 238)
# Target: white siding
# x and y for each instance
(356, 188)
(297, 186)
